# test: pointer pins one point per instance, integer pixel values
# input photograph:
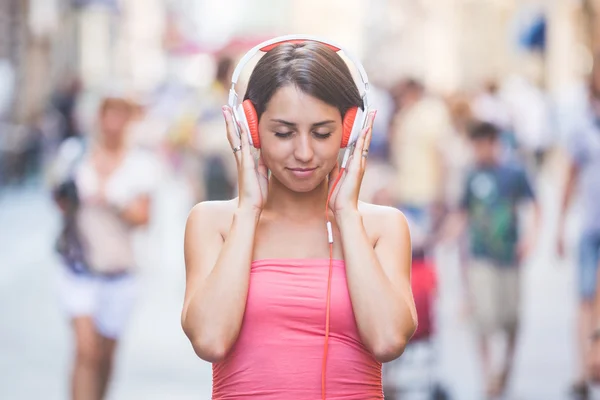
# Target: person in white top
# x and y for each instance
(114, 183)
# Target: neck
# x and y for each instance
(286, 203)
(112, 146)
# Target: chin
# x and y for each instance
(303, 187)
(300, 186)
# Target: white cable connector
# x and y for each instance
(346, 156)
(329, 232)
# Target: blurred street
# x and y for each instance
(156, 360)
(488, 115)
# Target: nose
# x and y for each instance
(303, 148)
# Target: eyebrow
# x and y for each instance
(291, 124)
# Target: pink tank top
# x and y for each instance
(279, 350)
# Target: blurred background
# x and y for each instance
(523, 65)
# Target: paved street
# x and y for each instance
(156, 361)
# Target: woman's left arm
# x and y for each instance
(379, 281)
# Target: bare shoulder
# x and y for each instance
(383, 220)
(213, 215)
(378, 214)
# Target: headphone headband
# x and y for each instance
(272, 43)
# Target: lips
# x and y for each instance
(303, 169)
(302, 172)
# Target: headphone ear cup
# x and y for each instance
(252, 122)
(348, 125)
(352, 117)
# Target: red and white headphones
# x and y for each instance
(245, 113)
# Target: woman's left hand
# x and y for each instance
(345, 195)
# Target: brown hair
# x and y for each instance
(116, 103)
(312, 67)
(483, 130)
(223, 72)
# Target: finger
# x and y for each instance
(368, 136)
(365, 152)
(247, 160)
(262, 168)
(357, 151)
(370, 130)
(232, 137)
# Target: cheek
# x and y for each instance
(331, 150)
(271, 158)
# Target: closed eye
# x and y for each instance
(316, 134)
(322, 135)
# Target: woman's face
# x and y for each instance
(114, 122)
(300, 138)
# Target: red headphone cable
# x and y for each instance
(327, 312)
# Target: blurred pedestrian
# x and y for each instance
(583, 151)
(489, 210)
(107, 197)
(419, 131)
(489, 106)
(64, 101)
(531, 121)
(216, 171)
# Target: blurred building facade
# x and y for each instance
(449, 44)
(457, 44)
(12, 49)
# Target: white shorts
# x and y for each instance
(109, 301)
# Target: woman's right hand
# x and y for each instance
(252, 179)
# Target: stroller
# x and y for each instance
(413, 375)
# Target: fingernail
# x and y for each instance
(224, 109)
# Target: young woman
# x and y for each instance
(113, 186)
(258, 267)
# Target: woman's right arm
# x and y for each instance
(217, 276)
(218, 268)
